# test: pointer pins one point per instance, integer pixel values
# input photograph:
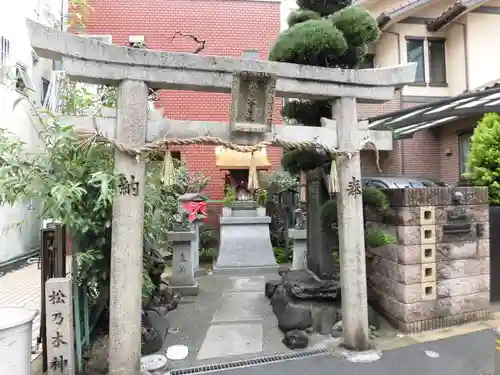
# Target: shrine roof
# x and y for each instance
(406, 122)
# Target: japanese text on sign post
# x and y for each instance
(59, 321)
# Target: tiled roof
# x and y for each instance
(384, 18)
(452, 12)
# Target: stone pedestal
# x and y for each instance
(195, 251)
(183, 280)
(195, 245)
(245, 243)
(436, 274)
(299, 237)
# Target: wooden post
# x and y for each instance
(351, 229)
(127, 232)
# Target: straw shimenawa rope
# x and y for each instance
(156, 145)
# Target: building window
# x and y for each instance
(251, 54)
(437, 62)
(415, 54)
(4, 56)
(464, 148)
(23, 81)
(45, 89)
(368, 62)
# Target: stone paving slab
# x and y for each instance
(253, 283)
(241, 306)
(231, 339)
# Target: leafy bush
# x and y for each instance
(372, 198)
(229, 197)
(280, 255)
(484, 156)
(283, 180)
(75, 183)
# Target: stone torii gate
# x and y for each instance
(253, 86)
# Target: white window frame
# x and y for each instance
(22, 73)
(4, 58)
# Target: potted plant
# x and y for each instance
(261, 199)
(229, 198)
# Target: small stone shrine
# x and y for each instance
(245, 241)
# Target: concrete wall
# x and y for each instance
(22, 240)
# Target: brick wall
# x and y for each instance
(228, 26)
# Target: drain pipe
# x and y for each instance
(466, 53)
(402, 143)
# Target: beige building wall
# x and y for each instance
(483, 41)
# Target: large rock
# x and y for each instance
(289, 315)
(294, 317)
(303, 285)
(295, 339)
(271, 287)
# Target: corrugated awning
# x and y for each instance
(408, 121)
(229, 159)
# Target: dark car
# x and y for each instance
(401, 182)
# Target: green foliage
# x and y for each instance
(375, 199)
(260, 197)
(328, 215)
(301, 15)
(484, 156)
(295, 161)
(75, 183)
(283, 180)
(323, 7)
(372, 198)
(375, 238)
(280, 255)
(313, 42)
(307, 112)
(357, 25)
(229, 197)
(337, 40)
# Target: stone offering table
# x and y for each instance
(436, 274)
(245, 242)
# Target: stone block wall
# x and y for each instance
(436, 273)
